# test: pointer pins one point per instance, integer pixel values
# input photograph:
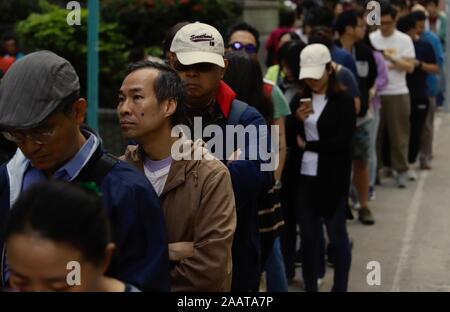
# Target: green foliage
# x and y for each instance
(146, 22)
(124, 24)
(50, 31)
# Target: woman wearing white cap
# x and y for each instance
(325, 122)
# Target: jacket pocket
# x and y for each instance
(181, 250)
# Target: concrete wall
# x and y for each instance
(263, 15)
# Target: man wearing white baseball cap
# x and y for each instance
(325, 122)
(197, 55)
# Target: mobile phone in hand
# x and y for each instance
(307, 102)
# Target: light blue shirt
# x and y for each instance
(67, 172)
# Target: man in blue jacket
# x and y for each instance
(197, 55)
(42, 113)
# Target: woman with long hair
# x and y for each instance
(322, 128)
(245, 77)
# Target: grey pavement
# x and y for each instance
(411, 237)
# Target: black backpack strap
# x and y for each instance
(103, 166)
(98, 168)
(237, 108)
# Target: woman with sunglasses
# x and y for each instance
(243, 37)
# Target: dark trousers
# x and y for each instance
(289, 232)
(309, 220)
(419, 108)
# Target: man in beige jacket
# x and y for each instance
(196, 195)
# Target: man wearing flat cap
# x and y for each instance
(42, 113)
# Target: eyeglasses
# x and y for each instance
(249, 48)
(38, 137)
(199, 67)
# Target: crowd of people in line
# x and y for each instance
(353, 104)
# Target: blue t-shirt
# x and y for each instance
(348, 80)
(417, 80)
(341, 56)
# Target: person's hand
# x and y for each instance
(300, 142)
(389, 54)
(234, 156)
(305, 109)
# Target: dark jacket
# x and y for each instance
(139, 230)
(250, 183)
(366, 70)
(336, 126)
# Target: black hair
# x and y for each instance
(292, 34)
(290, 53)
(306, 6)
(406, 23)
(64, 213)
(170, 34)
(400, 3)
(323, 35)
(245, 77)
(244, 27)
(369, 43)
(9, 37)
(136, 54)
(419, 16)
(286, 18)
(168, 85)
(319, 16)
(388, 9)
(436, 2)
(347, 18)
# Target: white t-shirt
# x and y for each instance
(157, 172)
(310, 159)
(403, 46)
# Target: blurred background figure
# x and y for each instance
(11, 47)
(286, 24)
(52, 225)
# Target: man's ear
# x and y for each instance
(80, 108)
(223, 70)
(171, 57)
(109, 251)
(170, 106)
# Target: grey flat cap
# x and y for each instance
(34, 87)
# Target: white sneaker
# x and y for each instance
(372, 194)
(401, 179)
(412, 176)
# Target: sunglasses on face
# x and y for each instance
(249, 48)
(199, 67)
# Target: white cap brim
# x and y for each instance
(312, 72)
(189, 58)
